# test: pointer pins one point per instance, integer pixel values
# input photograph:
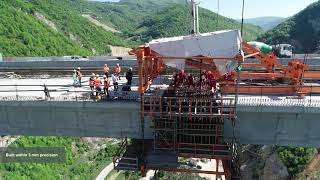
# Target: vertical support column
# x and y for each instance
(141, 89)
(143, 162)
(195, 17)
(147, 66)
(140, 56)
(146, 72)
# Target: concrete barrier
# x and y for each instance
(63, 64)
(84, 119)
(263, 124)
(276, 125)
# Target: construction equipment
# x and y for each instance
(276, 77)
(186, 123)
(283, 50)
(190, 124)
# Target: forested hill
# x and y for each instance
(23, 33)
(143, 20)
(80, 27)
(176, 20)
(128, 15)
(302, 31)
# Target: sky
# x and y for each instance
(254, 8)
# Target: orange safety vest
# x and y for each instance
(117, 69)
(91, 81)
(106, 69)
(106, 83)
(97, 82)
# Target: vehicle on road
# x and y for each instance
(76, 57)
(283, 50)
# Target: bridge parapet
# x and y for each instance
(65, 118)
(310, 104)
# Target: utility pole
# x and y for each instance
(195, 17)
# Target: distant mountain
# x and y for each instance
(302, 30)
(266, 23)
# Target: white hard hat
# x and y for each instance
(104, 76)
(78, 68)
(93, 74)
(130, 68)
(117, 64)
(97, 75)
(74, 70)
(105, 64)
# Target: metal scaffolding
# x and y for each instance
(187, 123)
(191, 125)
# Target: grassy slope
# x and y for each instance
(127, 15)
(22, 34)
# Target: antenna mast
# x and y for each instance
(195, 17)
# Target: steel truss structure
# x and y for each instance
(186, 124)
(190, 124)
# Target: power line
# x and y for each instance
(218, 11)
(242, 17)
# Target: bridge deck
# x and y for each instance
(262, 119)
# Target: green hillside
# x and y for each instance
(127, 15)
(143, 20)
(176, 20)
(22, 34)
(302, 31)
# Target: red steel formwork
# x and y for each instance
(192, 127)
(189, 124)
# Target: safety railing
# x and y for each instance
(203, 150)
(281, 102)
(124, 163)
(62, 92)
(280, 95)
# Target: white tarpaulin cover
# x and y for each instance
(214, 44)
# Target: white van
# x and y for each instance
(283, 50)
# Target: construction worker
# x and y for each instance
(106, 70)
(97, 83)
(74, 77)
(228, 76)
(91, 82)
(212, 83)
(117, 70)
(190, 81)
(106, 85)
(175, 79)
(202, 81)
(181, 78)
(129, 76)
(46, 92)
(115, 82)
(79, 76)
